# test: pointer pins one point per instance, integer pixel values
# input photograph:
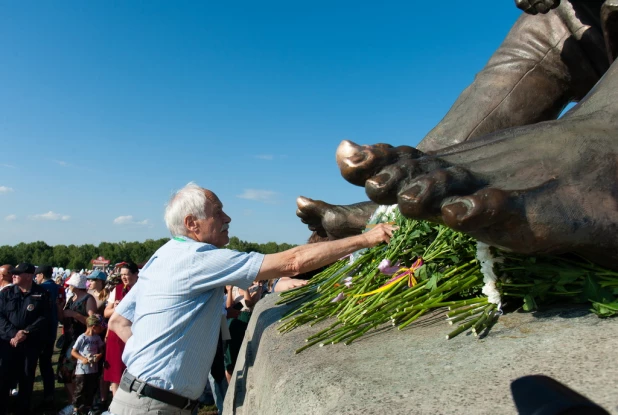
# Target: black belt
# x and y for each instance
(130, 383)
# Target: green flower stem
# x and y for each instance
(411, 319)
(432, 299)
(334, 279)
(353, 317)
(456, 305)
(337, 335)
(460, 268)
(438, 254)
(461, 310)
(350, 339)
(447, 285)
(452, 256)
(308, 345)
(435, 241)
(457, 283)
(478, 326)
(467, 314)
(376, 300)
(317, 320)
(326, 330)
(358, 328)
(387, 302)
(492, 317)
(326, 336)
(314, 283)
(420, 304)
(461, 328)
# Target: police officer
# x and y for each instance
(43, 278)
(24, 319)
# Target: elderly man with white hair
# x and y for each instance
(171, 319)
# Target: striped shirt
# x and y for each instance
(175, 308)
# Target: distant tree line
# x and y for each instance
(79, 256)
(267, 248)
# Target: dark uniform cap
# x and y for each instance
(23, 268)
(46, 270)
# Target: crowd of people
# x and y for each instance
(177, 323)
(37, 303)
(90, 357)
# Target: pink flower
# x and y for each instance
(339, 297)
(386, 268)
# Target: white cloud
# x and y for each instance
(61, 163)
(50, 216)
(264, 156)
(4, 189)
(10, 218)
(266, 196)
(9, 166)
(128, 220)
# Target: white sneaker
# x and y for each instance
(14, 392)
(67, 410)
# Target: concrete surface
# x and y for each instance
(417, 371)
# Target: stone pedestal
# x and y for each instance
(417, 371)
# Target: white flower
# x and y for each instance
(487, 260)
(384, 213)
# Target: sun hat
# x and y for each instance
(97, 274)
(77, 281)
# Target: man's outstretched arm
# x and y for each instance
(308, 257)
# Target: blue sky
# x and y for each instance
(107, 107)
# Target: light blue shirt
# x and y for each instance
(175, 308)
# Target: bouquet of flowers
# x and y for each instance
(428, 266)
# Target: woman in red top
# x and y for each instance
(114, 346)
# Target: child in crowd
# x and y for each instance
(88, 350)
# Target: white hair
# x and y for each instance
(190, 200)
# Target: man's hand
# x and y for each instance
(380, 233)
(84, 360)
(537, 6)
(98, 357)
(19, 337)
(286, 283)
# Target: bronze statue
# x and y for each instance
(499, 165)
